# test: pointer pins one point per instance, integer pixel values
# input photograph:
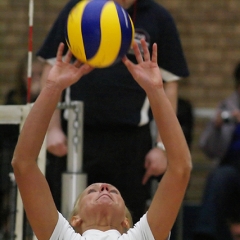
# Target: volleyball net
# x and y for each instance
(74, 181)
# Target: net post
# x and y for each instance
(74, 181)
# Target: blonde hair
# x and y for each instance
(75, 206)
(128, 215)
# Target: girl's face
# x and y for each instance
(101, 201)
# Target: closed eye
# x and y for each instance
(114, 191)
(91, 191)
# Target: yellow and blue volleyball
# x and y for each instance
(99, 32)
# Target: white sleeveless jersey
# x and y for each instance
(63, 231)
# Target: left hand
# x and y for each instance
(146, 73)
(155, 164)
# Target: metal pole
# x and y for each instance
(30, 48)
(74, 181)
(13, 198)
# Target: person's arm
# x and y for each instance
(37, 200)
(173, 66)
(155, 160)
(56, 138)
(171, 190)
(171, 90)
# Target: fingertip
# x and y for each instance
(135, 44)
(61, 46)
(60, 50)
(124, 58)
(145, 178)
(155, 45)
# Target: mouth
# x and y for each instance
(104, 195)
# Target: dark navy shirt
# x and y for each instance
(111, 96)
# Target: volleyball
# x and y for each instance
(99, 32)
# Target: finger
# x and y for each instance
(154, 53)
(68, 57)
(146, 53)
(77, 64)
(137, 53)
(60, 52)
(85, 69)
(146, 176)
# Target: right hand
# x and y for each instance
(64, 73)
(155, 164)
(56, 142)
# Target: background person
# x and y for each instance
(221, 140)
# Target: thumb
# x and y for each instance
(127, 63)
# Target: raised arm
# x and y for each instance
(171, 190)
(56, 138)
(37, 200)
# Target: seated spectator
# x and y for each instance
(221, 141)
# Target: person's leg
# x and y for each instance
(221, 190)
(117, 156)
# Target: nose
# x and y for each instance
(104, 187)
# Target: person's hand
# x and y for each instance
(63, 72)
(226, 116)
(155, 164)
(218, 121)
(236, 115)
(146, 72)
(56, 142)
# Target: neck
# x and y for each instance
(100, 227)
(101, 223)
